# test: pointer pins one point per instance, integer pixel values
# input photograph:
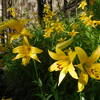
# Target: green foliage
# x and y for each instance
(34, 81)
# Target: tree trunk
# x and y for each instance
(40, 9)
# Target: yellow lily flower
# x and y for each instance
(16, 25)
(87, 20)
(73, 33)
(48, 13)
(74, 26)
(64, 64)
(12, 11)
(48, 31)
(46, 8)
(83, 4)
(58, 26)
(61, 40)
(96, 22)
(87, 66)
(26, 51)
(24, 32)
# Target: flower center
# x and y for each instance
(59, 66)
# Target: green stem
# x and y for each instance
(82, 96)
(37, 76)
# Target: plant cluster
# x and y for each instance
(75, 40)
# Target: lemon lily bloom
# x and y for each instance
(88, 21)
(83, 4)
(12, 11)
(24, 32)
(73, 33)
(87, 66)
(48, 31)
(64, 64)
(26, 51)
(17, 26)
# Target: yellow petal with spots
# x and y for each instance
(94, 71)
(54, 67)
(58, 65)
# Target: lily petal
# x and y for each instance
(94, 71)
(64, 44)
(35, 50)
(53, 55)
(18, 56)
(95, 55)
(81, 54)
(57, 56)
(26, 32)
(83, 80)
(14, 36)
(72, 71)
(57, 66)
(25, 60)
(34, 57)
(80, 66)
(53, 67)
(18, 49)
(14, 24)
(80, 87)
(71, 55)
(62, 75)
(59, 51)
(25, 41)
